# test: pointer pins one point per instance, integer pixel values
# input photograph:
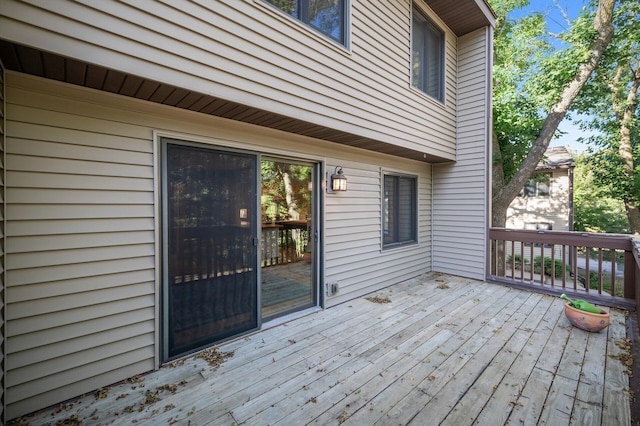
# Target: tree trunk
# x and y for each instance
(292, 206)
(626, 151)
(503, 195)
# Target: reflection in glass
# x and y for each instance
(327, 16)
(287, 242)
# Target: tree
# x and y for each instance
(611, 98)
(517, 153)
(595, 210)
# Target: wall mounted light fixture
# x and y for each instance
(337, 181)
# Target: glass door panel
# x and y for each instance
(210, 252)
(288, 238)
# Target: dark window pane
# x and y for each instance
(530, 189)
(427, 56)
(543, 187)
(406, 215)
(327, 16)
(399, 210)
(287, 6)
(389, 211)
(538, 185)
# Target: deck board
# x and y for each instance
(445, 350)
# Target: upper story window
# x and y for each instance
(399, 204)
(538, 185)
(327, 16)
(427, 56)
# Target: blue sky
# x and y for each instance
(556, 23)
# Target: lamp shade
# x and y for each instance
(338, 180)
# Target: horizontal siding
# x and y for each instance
(353, 253)
(3, 177)
(80, 250)
(460, 193)
(248, 52)
(81, 234)
(553, 209)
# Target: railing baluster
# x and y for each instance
(553, 264)
(542, 264)
(531, 268)
(513, 259)
(587, 273)
(599, 271)
(522, 262)
(574, 267)
(523, 243)
(614, 254)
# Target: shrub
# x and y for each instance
(547, 266)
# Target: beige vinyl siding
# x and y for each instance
(80, 250)
(460, 210)
(249, 52)
(2, 244)
(82, 230)
(353, 234)
(553, 209)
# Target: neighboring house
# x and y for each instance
(165, 166)
(546, 202)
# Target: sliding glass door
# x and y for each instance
(289, 237)
(228, 266)
(210, 243)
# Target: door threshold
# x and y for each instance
(289, 317)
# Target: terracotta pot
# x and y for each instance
(586, 320)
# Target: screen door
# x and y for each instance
(210, 238)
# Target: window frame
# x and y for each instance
(302, 6)
(430, 26)
(536, 183)
(397, 241)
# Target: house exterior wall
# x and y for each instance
(553, 209)
(82, 231)
(251, 53)
(538, 212)
(82, 180)
(3, 126)
(461, 189)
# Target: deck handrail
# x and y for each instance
(519, 258)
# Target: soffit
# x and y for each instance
(463, 16)
(43, 64)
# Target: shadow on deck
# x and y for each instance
(445, 350)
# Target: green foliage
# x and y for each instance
(279, 201)
(517, 261)
(531, 67)
(547, 266)
(519, 46)
(595, 207)
(605, 99)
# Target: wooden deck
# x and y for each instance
(445, 350)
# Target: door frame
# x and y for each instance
(161, 231)
(317, 172)
(163, 299)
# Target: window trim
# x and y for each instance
(414, 209)
(537, 183)
(346, 23)
(420, 9)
